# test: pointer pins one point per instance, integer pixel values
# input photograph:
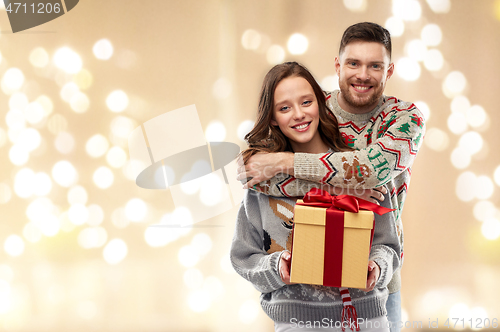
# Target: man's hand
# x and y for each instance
(373, 274)
(263, 166)
(284, 267)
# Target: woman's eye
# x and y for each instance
(307, 102)
(284, 108)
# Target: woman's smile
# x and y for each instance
(302, 127)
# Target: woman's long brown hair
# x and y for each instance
(265, 137)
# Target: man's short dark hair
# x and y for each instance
(369, 32)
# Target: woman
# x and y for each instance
(293, 116)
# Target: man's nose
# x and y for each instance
(363, 73)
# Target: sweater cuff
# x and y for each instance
(274, 261)
(385, 274)
(395, 283)
(304, 168)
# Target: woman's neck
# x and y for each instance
(316, 145)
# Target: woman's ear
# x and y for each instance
(274, 123)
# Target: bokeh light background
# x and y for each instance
(76, 252)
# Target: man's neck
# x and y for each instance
(353, 109)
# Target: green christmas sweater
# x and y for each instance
(386, 140)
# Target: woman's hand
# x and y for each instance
(284, 267)
(373, 274)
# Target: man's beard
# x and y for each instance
(357, 102)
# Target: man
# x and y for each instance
(386, 133)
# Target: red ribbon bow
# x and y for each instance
(321, 198)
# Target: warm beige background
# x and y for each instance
(179, 49)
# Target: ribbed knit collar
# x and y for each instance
(351, 116)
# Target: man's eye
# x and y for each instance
(352, 64)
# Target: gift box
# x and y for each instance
(331, 239)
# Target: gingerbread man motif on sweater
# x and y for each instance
(355, 170)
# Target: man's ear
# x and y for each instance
(337, 65)
(390, 70)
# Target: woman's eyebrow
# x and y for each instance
(284, 101)
(281, 102)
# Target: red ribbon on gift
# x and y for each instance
(334, 227)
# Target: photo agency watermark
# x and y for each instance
(170, 151)
(436, 323)
(26, 14)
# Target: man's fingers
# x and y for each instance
(251, 183)
(382, 189)
(243, 176)
(377, 195)
(240, 169)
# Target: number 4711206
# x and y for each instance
(40, 8)
(474, 323)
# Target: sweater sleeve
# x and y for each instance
(248, 257)
(386, 249)
(284, 185)
(397, 141)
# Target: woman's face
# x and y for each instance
(296, 113)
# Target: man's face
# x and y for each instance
(363, 69)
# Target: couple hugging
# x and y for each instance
(353, 141)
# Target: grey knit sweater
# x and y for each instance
(263, 232)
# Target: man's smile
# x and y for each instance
(361, 88)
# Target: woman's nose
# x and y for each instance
(298, 113)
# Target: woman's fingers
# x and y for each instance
(372, 277)
(285, 267)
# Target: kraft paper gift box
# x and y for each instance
(331, 241)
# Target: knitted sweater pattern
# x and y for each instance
(264, 230)
(387, 141)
